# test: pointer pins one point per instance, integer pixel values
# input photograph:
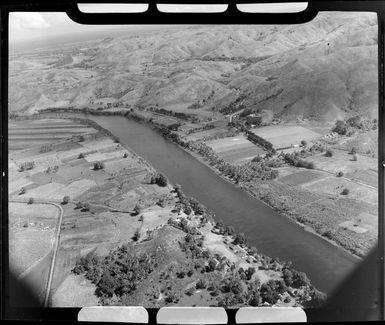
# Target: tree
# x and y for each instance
(190, 291)
(161, 180)
(136, 236)
(340, 174)
(340, 127)
(187, 210)
(329, 153)
(240, 239)
(22, 191)
(303, 143)
(287, 277)
(345, 191)
(230, 230)
(106, 285)
(86, 207)
(137, 209)
(300, 279)
(30, 200)
(211, 266)
(66, 199)
(81, 155)
(268, 294)
(254, 300)
(125, 155)
(98, 165)
(201, 284)
(79, 205)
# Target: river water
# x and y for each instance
(273, 234)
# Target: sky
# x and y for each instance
(29, 26)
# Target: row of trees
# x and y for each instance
(295, 160)
(259, 140)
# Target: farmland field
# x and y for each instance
(301, 177)
(24, 134)
(283, 136)
(235, 149)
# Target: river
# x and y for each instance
(273, 234)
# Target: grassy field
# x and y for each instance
(282, 136)
(300, 177)
(236, 149)
(342, 161)
(31, 234)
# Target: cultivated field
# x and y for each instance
(236, 149)
(283, 136)
(24, 134)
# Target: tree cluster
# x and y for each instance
(117, 274)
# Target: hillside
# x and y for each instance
(321, 70)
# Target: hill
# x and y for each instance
(321, 70)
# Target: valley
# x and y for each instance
(272, 129)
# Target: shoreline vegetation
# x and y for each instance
(226, 171)
(238, 287)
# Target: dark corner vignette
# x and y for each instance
(334, 310)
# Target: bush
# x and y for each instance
(303, 143)
(190, 291)
(355, 157)
(81, 155)
(66, 199)
(22, 191)
(345, 191)
(340, 174)
(329, 153)
(30, 200)
(125, 155)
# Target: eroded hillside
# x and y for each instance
(320, 70)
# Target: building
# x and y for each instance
(255, 119)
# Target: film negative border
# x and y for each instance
(230, 16)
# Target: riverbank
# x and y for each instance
(295, 218)
(217, 250)
(254, 196)
(322, 261)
